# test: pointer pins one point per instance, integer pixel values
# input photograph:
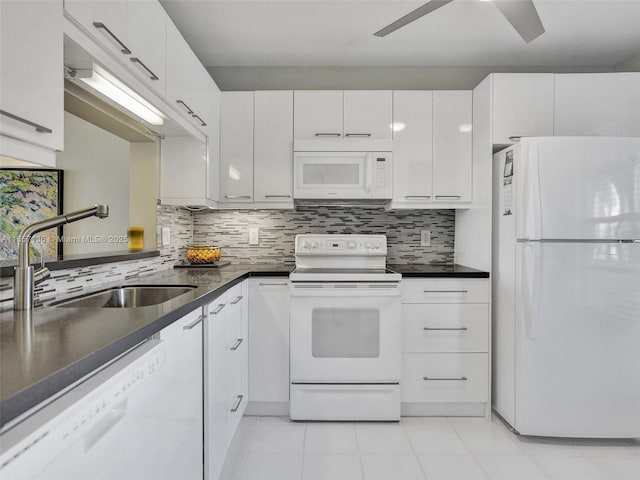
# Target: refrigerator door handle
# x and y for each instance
(530, 281)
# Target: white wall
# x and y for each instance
(96, 171)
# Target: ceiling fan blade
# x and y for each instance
(523, 16)
(412, 16)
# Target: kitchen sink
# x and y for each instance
(126, 297)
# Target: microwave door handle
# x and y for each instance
(368, 168)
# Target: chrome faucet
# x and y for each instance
(26, 278)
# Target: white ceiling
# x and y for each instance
(462, 33)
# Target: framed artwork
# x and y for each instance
(28, 195)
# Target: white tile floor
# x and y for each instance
(274, 448)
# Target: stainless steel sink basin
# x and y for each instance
(126, 297)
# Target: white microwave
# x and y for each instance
(342, 175)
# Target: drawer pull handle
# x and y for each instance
(448, 196)
(237, 405)
(446, 291)
(218, 308)
(152, 75)
(39, 128)
(328, 134)
(236, 300)
(277, 196)
(194, 323)
(236, 345)
(357, 135)
(273, 284)
(461, 329)
(238, 197)
(417, 196)
(456, 379)
(123, 47)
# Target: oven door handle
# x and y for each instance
(313, 289)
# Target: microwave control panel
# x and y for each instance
(381, 172)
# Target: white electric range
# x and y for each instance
(345, 330)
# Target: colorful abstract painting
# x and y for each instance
(27, 196)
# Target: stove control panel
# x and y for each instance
(341, 244)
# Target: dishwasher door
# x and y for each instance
(140, 418)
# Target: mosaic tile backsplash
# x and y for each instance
(229, 229)
(74, 280)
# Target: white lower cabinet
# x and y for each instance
(268, 346)
(445, 354)
(225, 374)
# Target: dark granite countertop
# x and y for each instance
(438, 270)
(65, 344)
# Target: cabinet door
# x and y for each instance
(368, 114)
(147, 37)
(183, 168)
(318, 114)
(452, 165)
(628, 104)
(269, 339)
(522, 106)
(217, 386)
(31, 77)
(585, 104)
(112, 32)
(236, 147)
(273, 146)
(181, 69)
(412, 146)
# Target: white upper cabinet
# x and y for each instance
(236, 147)
(368, 114)
(183, 171)
(522, 106)
(147, 37)
(334, 114)
(318, 114)
(452, 162)
(273, 146)
(628, 104)
(412, 146)
(105, 20)
(31, 77)
(586, 104)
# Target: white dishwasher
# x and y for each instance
(140, 418)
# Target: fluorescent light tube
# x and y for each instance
(112, 88)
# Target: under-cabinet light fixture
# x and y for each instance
(112, 88)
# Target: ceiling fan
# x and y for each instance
(521, 14)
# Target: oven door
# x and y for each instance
(327, 175)
(346, 333)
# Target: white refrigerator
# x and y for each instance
(566, 283)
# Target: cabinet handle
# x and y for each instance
(202, 122)
(39, 128)
(248, 197)
(444, 329)
(218, 308)
(328, 134)
(152, 76)
(515, 138)
(236, 300)
(237, 405)
(445, 291)
(189, 111)
(448, 196)
(236, 345)
(273, 284)
(123, 47)
(277, 196)
(194, 323)
(458, 379)
(417, 196)
(357, 135)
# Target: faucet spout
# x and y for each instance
(25, 277)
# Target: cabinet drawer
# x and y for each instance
(445, 290)
(445, 377)
(445, 328)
